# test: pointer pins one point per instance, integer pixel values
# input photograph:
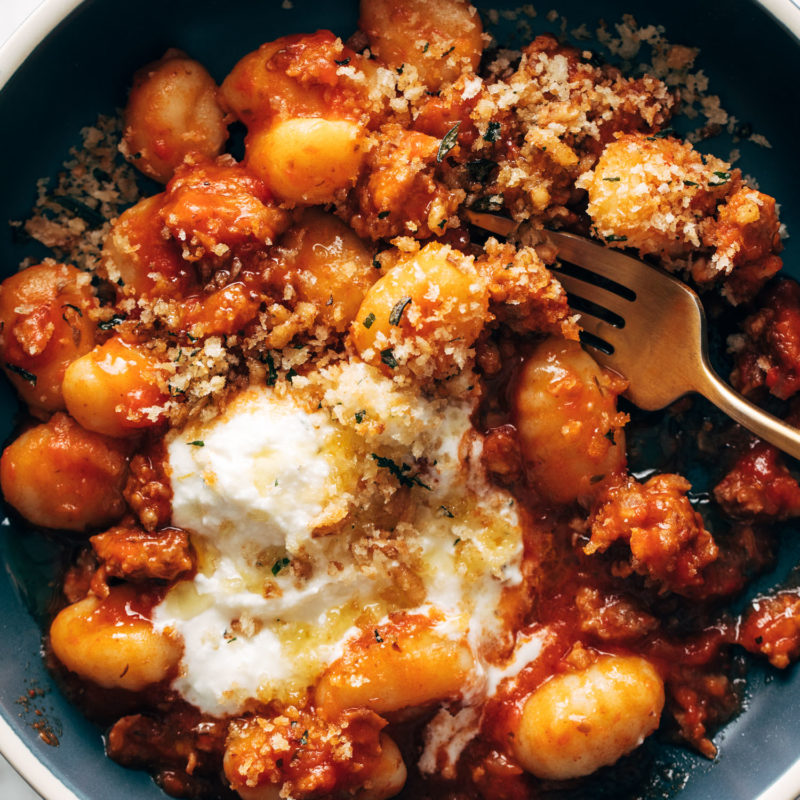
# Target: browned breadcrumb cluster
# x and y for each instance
(73, 217)
(644, 50)
(303, 754)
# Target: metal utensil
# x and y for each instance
(650, 327)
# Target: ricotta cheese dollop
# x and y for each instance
(318, 508)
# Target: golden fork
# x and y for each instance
(648, 326)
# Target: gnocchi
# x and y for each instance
(432, 303)
(45, 325)
(440, 39)
(172, 112)
(409, 668)
(307, 160)
(61, 476)
(112, 643)
(580, 721)
(116, 389)
(569, 428)
(328, 265)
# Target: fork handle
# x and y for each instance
(771, 429)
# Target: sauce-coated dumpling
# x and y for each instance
(580, 721)
(114, 389)
(112, 642)
(172, 112)
(59, 475)
(652, 193)
(327, 265)
(569, 429)
(45, 325)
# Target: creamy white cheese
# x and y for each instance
(257, 475)
(280, 503)
(447, 734)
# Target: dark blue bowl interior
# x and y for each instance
(84, 67)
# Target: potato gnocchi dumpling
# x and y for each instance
(439, 39)
(112, 643)
(62, 476)
(45, 325)
(581, 721)
(172, 113)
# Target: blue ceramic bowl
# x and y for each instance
(75, 59)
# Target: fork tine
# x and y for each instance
(592, 293)
(611, 264)
(602, 330)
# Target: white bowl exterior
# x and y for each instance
(31, 31)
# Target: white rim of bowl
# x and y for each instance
(31, 31)
(27, 764)
(13, 53)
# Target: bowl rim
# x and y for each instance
(20, 44)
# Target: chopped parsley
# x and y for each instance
(724, 177)
(400, 69)
(397, 311)
(446, 512)
(456, 541)
(23, 373)
(360, 416)
(400, 472)
(383, 214)
(378, 637)
(272, 373)
(292, 373)
(343, 63)
(690, 183)
(448, 142)
(198, 443)
(304, 739)
(279, 565)
(610, 436)
(108, 324)
(425, 48)
(387, 356)
(612, 180)
(614, 238)
(492, 132)
(368, 320)
(447, 52)
(377, 264)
